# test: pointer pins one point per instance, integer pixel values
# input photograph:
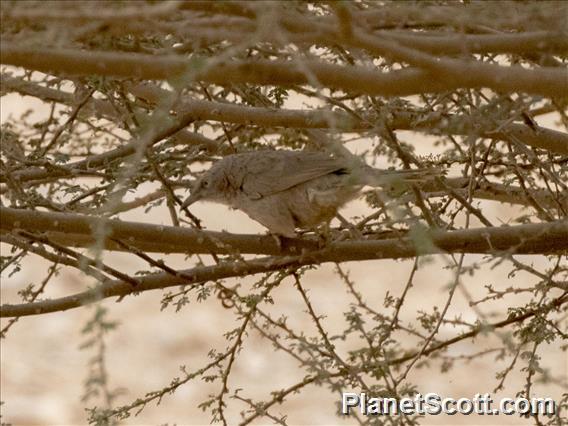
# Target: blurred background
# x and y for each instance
(44, 368)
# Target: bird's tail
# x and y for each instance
(379, 177)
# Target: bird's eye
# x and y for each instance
(205, 184)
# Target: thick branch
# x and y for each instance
(77, 230)
(503, 15)
(454, 72)
(129, 22)
(536, 238)
(87, 15)
(409, 81)
(539, 137)
(525, 239)
(407, 15)
(443, 43)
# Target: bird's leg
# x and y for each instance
(355, 233)
(278, 239)
(281, 240)
(327, 237)
(323, 233)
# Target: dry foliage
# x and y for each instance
(143, 95)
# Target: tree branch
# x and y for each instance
(86, 15)
(448, 44)
(98, 160)
(538, 137)
(135, 21)
(484, 328)
(543, 81)
(455, 72)
(470, 16)
(522, 239)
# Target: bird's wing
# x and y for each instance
(277, 171)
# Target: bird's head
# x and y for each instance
(213, 185)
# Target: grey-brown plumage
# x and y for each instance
(285, 190)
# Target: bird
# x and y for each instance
(285, 190)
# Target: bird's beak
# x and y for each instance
(193, 197)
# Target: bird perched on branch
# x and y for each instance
(284, 190)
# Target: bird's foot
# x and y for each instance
(353, 231)
(282, 241)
